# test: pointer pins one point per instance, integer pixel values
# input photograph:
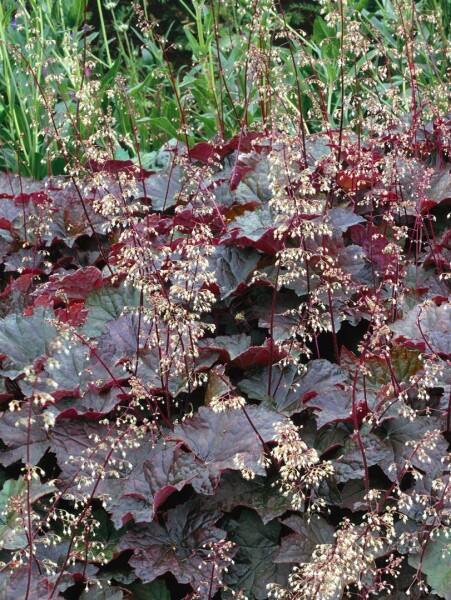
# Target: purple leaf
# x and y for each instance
(71, 372)
(106, 304)
(24, 339)
(430, 325)
(69, 219)
(124, 486)
(24, 436)
(255, 229)
(217, 442)
(233, 268)
(93, 405)
(440, 186)
(170, 467)
(229, 346)
(218, 439)
(330, 406)
(233, 490)
(290, 390)
(164, 187)
(415, 443)
(343, 218)
(76, 286)
(351, 464)
(179, 546)
(14, 583)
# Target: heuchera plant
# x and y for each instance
(231, 377)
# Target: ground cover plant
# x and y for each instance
(225, 333)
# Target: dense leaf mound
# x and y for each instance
(236, 365)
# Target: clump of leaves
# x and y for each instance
(313, 331)
(230, 376)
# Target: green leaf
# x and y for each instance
(253, 568)
(106, 534)
(156, 590)
(139, 86)
(436, 563)
(14, 495)
(121, 154)
(298, 547)
(321, 30)
(111, 75)
(162, 124)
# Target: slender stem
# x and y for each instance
(105, 39)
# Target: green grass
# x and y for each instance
(238, 65)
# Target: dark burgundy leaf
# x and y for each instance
(217, 441)
(351, 464)
(373, 244)
(39, 198)
(233, 491)
(113, 167)
(290, 389)
(24, 435)
(204, 152)
(267, 354)
(238, 172)
(5, 224)
(74, 314)
(21, 285)
(430, 325)
(246, 142)
(75, 286)
(255, 229)
(229, 347)
(180, 547)
(233, 268)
